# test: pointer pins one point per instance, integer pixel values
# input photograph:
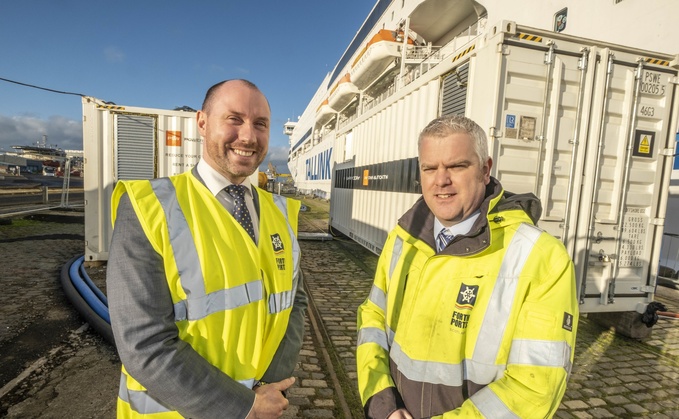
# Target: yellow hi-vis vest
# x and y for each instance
(221, 282)
(485, 335)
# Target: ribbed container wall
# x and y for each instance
(366, 213)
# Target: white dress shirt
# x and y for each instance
(462, 227)
(216, 182)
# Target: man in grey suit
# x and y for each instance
(204, 286)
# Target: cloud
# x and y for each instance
(61, 132)
(217, 69)
(114, 55)
(67, 134)
(278, 157)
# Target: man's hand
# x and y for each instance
(400, 414)
(269, 400)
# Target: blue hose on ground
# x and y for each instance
(97, 292)
(87, 299)
(85, 289)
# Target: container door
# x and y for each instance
(624, 182)
(538, 151)
(586, 130)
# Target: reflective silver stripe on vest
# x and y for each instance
(500, 305)
(247, 383)
(141, 402)
(378, 297)
(427, 371)
(395, 255)
(282, 204)
(228, 299)
(183, 246)
(372, 335)
(444, 373)
(284, 300)
(390, 335)
(540, 353)
(491, 406)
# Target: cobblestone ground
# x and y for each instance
(617, 377)
(613, 376)
(76, 374)
(338, 282)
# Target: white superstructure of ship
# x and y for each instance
(579, 99)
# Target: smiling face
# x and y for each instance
(452, 177)
(235, 124)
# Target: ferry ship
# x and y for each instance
(579, 100)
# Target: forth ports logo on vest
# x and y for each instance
(318, 166)
(466, 298)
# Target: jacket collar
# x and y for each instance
(418, 221)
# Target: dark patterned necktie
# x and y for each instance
(443, 239)
(240, 210)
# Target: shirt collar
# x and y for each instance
(462, 227)
(215, 181)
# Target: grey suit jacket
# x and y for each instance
(147, 341)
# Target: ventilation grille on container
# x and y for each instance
(454, 97)
(135, 146)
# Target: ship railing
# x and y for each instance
(371, 102)
(345, 119)
(431, 56)
(438, 54)
(423, 53)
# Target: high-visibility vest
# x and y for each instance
(484, 335)
(221, 282)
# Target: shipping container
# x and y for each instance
(587, 126)
(125, 143)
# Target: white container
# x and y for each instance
(124, 142)
(586, 125)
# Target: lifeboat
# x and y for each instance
(380, 51)
(324, 113)
(342, 94)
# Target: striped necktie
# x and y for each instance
(240, 210)
(443, 239)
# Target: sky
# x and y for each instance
(162, 54)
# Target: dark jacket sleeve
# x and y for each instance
(142, 319)
(284, 360)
